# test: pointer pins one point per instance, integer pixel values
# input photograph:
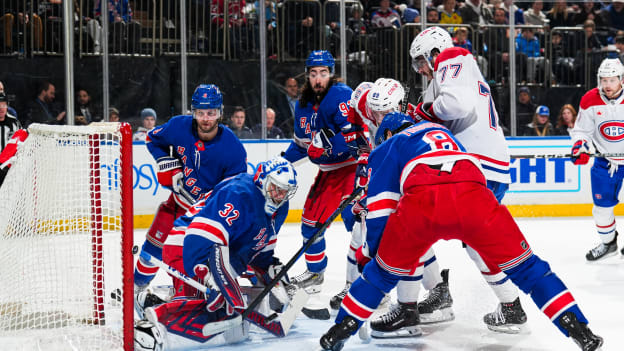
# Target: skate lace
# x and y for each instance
(432, 296)
(599, 250)
(394, 312)
(302, 277)
(499, 316)
(344, 291)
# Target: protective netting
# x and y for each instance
(61, 271)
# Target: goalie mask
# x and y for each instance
(393, 122)
(208, 97)
(277, 180)
(425, 42)
(384, 97)
(610, 68)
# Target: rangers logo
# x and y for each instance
(612, 130)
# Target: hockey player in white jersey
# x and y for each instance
(459, 98)
(601, 122)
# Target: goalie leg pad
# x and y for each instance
(148, 337)
(224, 276)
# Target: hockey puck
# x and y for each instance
(135, 249)
(322, 314)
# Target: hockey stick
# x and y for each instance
(210, 328)
(567, 155)
(279, 327)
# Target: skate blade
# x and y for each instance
(438, 316)
(510, 328)
(365, 332)
(406, 332)
(603, 257)
(313, 289)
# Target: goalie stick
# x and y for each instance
(567, 155)
(213, 328)
(277, 324)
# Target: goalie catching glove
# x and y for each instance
(580, 152)
(170, 173)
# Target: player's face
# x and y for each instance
(611, 86)
(422, 67)
(379, 115)
(207, 120)
(319, 78)
(276, 193)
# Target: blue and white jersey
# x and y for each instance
(233, 216)
(204, 163)
(392, 161)
(331, 113)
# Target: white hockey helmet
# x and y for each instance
(610, 67)
(428, 40)
(385, 96)
(357, 94)
(277, 180)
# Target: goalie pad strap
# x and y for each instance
(224, 276)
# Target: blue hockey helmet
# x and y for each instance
(320, 58)
(277, 180)
(206, 97)
(393, 122)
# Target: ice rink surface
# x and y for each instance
(563, 242)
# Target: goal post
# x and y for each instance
(66, 237)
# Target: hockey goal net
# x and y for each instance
(66, 240)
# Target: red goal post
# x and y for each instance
(66, 237)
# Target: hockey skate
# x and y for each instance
(579, 332)
(337, 335)
(309, 281)
(401, 321)
(603, 250)
(144, 299)
(437, 306)
(336, 300)
(508, 318)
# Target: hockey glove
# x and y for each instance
(321, 143)
(361, 257)
(170, 172)
(424, 112)
(359, 210)
(580, 152)
(361, 172)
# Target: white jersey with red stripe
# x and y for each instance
(462, 100)
(601, 121)
(233, 216)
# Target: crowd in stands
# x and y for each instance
(479, 26)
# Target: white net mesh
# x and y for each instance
(60, 241)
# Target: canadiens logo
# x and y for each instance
(612, 130)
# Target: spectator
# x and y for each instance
(510, 7)
(408, 14)
(286, 106)
(566, 120)
(449, 14)
(534, 15)
(525, 108)
(302, 27)
(113, 114)
(356, 23)
(385, 17)
(10, 40)
(614, 15)
(42, 108)
(593, 42)
(11, 109)
(476, 13)
(588, 11)
(237, 124)
(86, 111)
(540, 126)
(8, 123)
(125, 32)
(148, 120)
(559, 15)
(528, 44)
(497, 42)
(619, 45)
(273, 132)
(433, 16)
(461, 40)
(563, 62)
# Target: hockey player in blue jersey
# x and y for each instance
(424, 187)
(194, 153)
(323, 134)
(237, 226)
